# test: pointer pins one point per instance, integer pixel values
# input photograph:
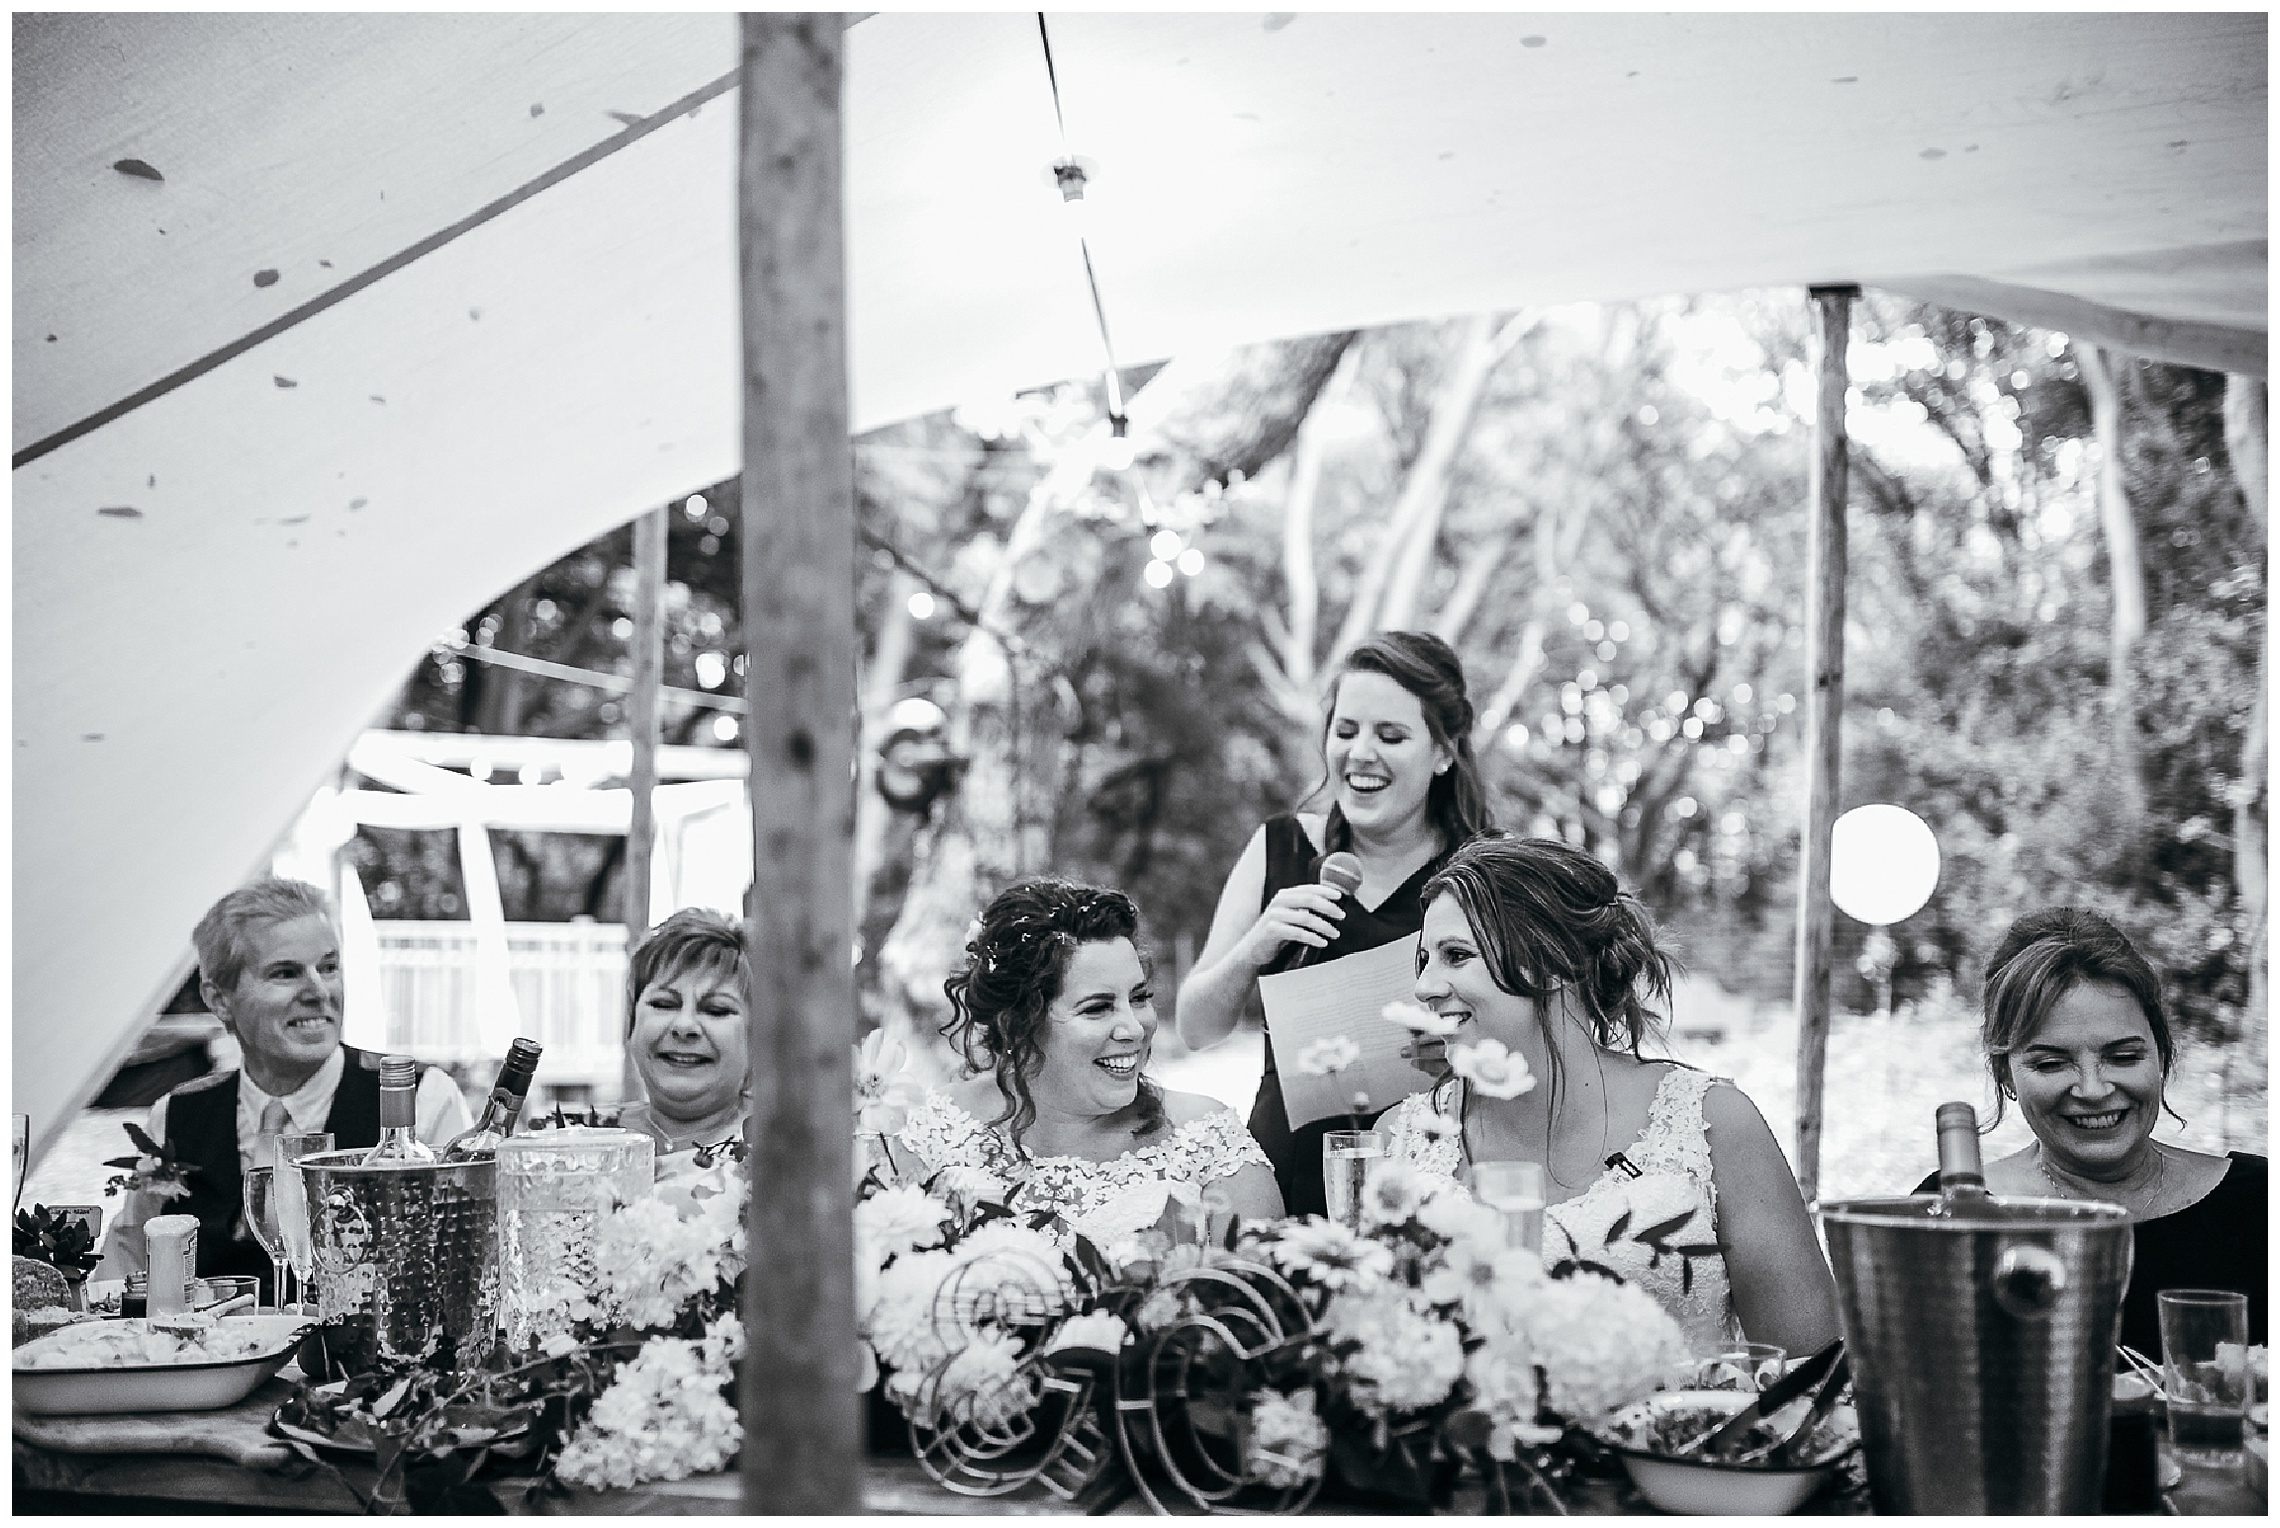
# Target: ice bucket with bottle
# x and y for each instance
(407, 1256)
(1982, 1347)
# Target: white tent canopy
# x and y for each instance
(421, 302)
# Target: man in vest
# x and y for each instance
(269, 969)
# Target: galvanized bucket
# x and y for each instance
(407, 1257)
(1982, 1346)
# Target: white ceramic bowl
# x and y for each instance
(1704, 1488)
(204, 1386)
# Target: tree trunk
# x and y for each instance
(2126, 575)
(2245, 443)
(1386, 597)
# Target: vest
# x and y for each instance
(201, 1133)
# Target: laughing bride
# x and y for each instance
(1054, 1013)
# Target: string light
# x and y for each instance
(1070, 176)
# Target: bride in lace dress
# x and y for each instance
(1055, 1012)
(1660, 1173)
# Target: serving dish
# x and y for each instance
(250, 1350)
(1641, 1434)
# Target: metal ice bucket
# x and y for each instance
(408, 1257)
(1982, 1348)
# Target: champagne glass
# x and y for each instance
(293, 1202)
(1514, 1190)
(261, 1218)
(1346, 1159)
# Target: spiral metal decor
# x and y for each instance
(1183, 1391)
(1040, 1424)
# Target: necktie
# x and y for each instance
(273, 1123)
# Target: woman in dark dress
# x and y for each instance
(2076, 1036)
(1398, 766)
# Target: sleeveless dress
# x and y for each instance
(1292, 860)
(1108, 1202)
(1666, 1192)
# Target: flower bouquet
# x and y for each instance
(637, 1384)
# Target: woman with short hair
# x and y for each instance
(2076, 1035)
(685, 1030)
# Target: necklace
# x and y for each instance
(2066, 1190)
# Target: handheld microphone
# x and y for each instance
(1342, 873)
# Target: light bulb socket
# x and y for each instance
(1119, 426)
(1070, 177)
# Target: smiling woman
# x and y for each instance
(2076, 1034)
(1055, 1013)
(686, 1031)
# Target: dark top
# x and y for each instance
(1293, 861)
(2216, 1242)
(201, 1133)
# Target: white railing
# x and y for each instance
(568, 981)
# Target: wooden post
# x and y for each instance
(1824, 714)
(641, 708)
(803, 1432)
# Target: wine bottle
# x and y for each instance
(1962, 1181)
(481, 1141)
(399, 1092)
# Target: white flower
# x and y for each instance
(652, 1255)
(1287, 1440)
(558, 1344)
(1101, 1330)
(1433, 1125)
(1327, 1056)
(1327, 1254)
(665, 1417)
(1403, 1359)
(866, 1368)
(1493, 1070)
(984, 1385)
(1505, 1385)
(901, 1323)
(1481, 1275)
(884, 1085)
(1418, 1020)
(965, 1188)
(1601, 1344)
(900, 1219)
(1458, 1216)
(1391, 1194)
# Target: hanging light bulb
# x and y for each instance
(1116, 451)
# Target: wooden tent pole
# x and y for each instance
(1824, 713)
(641, 711)
(803, 1430)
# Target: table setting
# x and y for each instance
(551, 1327)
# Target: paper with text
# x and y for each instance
(1345, 997)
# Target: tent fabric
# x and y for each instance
(518, 236)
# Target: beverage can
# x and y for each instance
(172, 1244)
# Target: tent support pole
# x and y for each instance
(1824, 713)
(803, 1429)
(641, 711)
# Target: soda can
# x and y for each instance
(172, 1244)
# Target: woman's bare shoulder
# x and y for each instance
(1187, 1108)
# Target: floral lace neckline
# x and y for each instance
(943, 1134)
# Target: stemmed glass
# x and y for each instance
(293, 1203)
(261, 1218)
(20, 1137)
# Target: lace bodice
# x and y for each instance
(1107, 1201)
(1672, 1202)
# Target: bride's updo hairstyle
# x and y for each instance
(1016, 959)
(1549, 916)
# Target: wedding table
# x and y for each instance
(227, 1458)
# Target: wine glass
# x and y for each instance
(293, 1202)
(261, 1218)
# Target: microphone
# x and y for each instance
(1342, 873)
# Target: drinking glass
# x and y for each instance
(1744, 1366)
(224, 1288)
(2204, 1369)
(293, 1203)
(1346, 1159)
(261, 1219)
(1514, 1190)
(20, 1136)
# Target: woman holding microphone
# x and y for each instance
(1405, 792)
